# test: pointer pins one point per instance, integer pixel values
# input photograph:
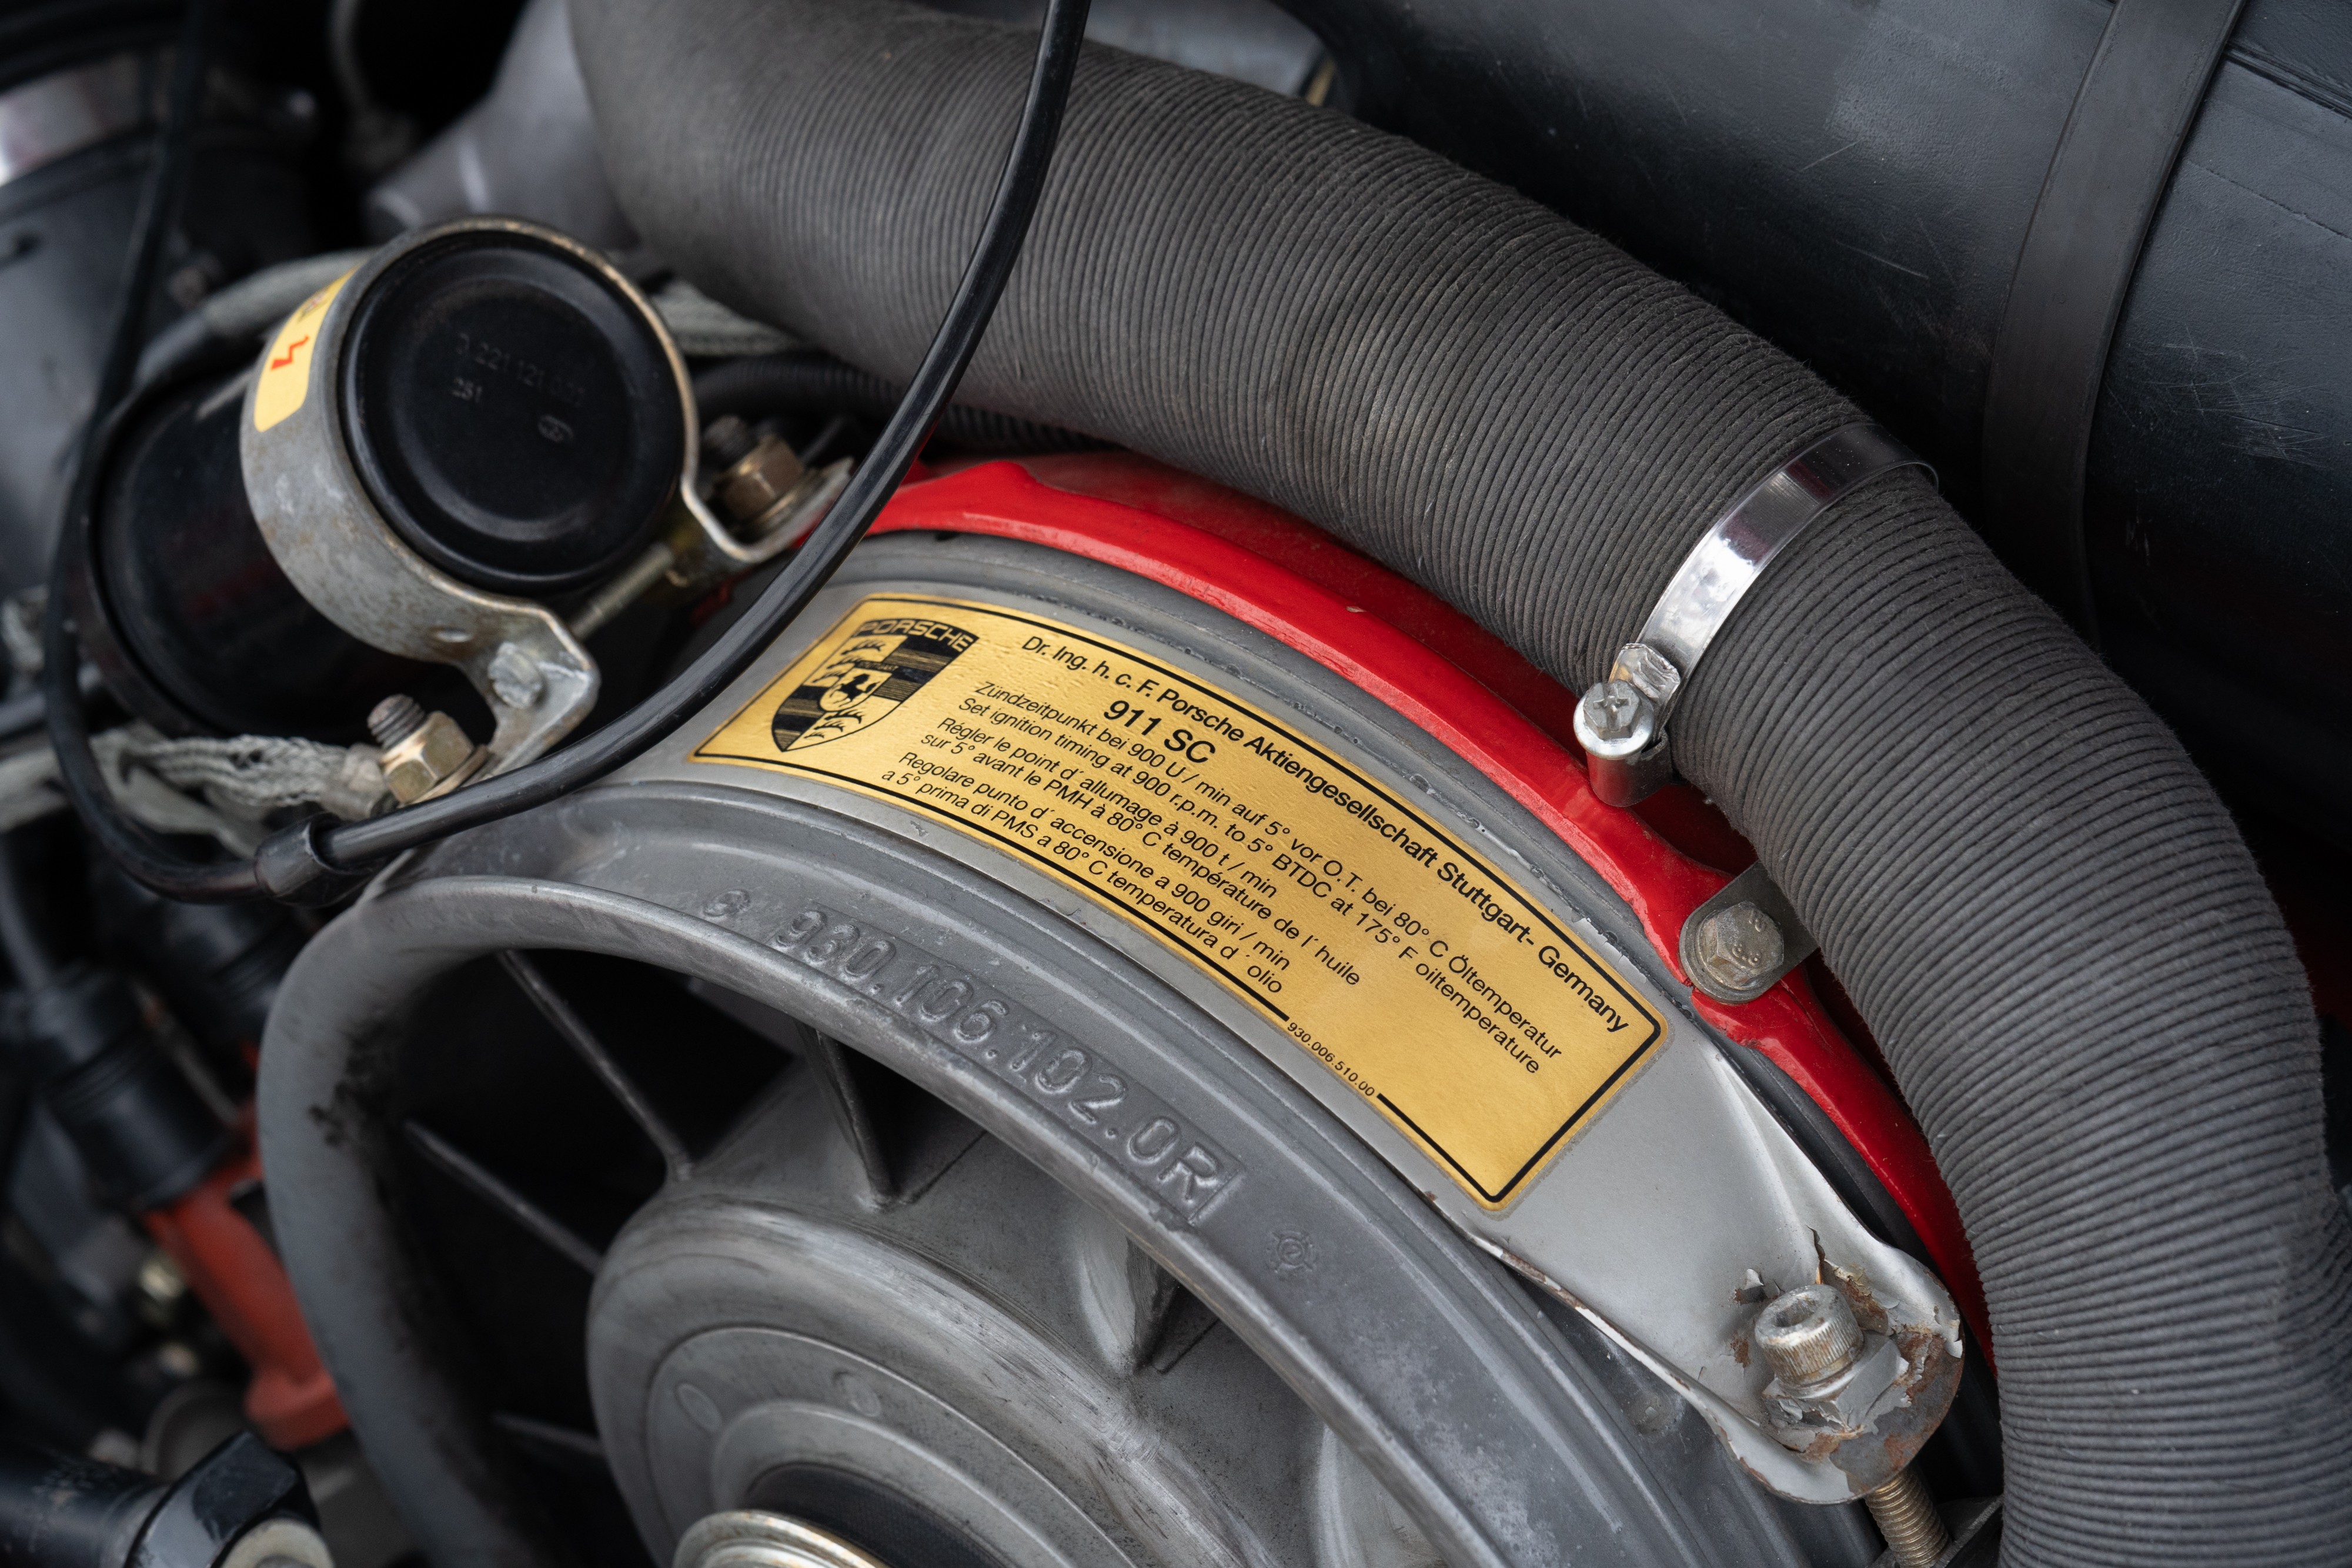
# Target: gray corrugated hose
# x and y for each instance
(2040, 908)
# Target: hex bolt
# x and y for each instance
(396, 718)
(1808, 1336)
(1740, 948)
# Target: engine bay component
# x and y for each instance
(1553, 512)
(1621, 723)
(751, 1538)
(310, 860)
(81, 90)
(480, 410)
(1858, 184)
(424, 754)
(143, 1130)
(1737, 943)
(514, 412)
(527, 149)
(811, 916)
(862, 1004)
(183, 608)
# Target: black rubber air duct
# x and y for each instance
(1857, 181)
(2037, 903)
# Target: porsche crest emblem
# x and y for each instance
(876, 666)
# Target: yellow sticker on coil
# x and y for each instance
(1402, 960)
(286, 369)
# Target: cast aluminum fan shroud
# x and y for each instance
(956, 1318)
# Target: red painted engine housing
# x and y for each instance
(1484, 702)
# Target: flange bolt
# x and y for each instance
(1738, 947)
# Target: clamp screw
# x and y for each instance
(1616, 710)
(1621, 731)
(1738, 946)
(396, 718)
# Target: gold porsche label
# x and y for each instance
(1399, 958)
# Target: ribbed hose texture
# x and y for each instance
(804, 382)
(2040, 908)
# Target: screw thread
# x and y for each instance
(726, 441)
(396, 718)
(1906, 1516)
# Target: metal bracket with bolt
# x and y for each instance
(322, 525)
(1622, 720)
(761, 502)
(1739, 943)
(1831, 1379)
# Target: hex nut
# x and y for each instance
(1740, 948)
(433, 759)
(757, 490)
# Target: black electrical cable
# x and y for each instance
(296, 862)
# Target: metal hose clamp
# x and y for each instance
(1622, 720)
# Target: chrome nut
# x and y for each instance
(432, 758)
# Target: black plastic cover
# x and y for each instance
(512, 412)
(188, 615)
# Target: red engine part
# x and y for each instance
(1485, 702)
(234, 1271)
